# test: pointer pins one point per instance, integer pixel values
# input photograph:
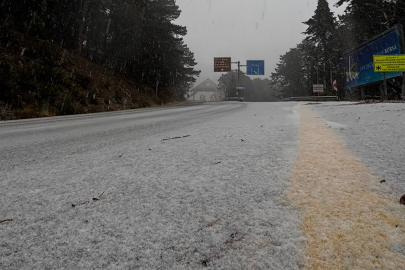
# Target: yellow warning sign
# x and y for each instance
(389, 63)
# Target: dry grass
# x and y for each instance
(346, 223)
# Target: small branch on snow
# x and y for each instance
(185, 136)
(226, 246)
(5, 220)
(211, 224)
(74, 205)
(93, 199)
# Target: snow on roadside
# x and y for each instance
(375, 133)
(347, 221)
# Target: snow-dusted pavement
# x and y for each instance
(216, 186)
(348, 220)
(180, 188)
(376, 134)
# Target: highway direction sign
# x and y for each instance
(255, 67)
(222, 64)
(389, 63)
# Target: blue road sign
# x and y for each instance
(358, 64)
(255, 67)
(240, 87)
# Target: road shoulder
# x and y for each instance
(347, 223)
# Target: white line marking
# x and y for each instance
(38, 128)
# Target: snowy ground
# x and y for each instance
(376, 134)
(203, 187)
(348, 222)
(183, 188)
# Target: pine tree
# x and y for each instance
(134, 37)
(367, 18)
(289, 73)
(321, 38)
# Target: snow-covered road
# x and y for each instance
(182, 188)
(215, 186)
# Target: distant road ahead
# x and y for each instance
(52, 128)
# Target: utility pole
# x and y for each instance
(239, 65)
(238, 70)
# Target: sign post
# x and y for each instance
(254, 67)
(240, 88)
(403, 86)
(335, 87)
(385, 88)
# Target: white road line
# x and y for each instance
(39, 128)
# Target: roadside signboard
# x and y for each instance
(389, 63)
(335, 87)
(240, 87)
(318, 88)
(255, 67)
(358, 64)
(222, 64)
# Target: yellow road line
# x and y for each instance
(347, 222)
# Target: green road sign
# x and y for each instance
(389, 63)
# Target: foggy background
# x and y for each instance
(244, 30)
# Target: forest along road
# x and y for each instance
(222, 185)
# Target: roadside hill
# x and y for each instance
(39, 79)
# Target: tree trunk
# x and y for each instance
(81, 22)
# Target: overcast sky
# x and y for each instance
(244, 30)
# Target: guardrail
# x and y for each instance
(312, 98)
(233, 99)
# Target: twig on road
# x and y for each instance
(93, 199)
(6, 220)
(99, 197)
(179, 137)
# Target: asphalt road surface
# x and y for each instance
(227, 185)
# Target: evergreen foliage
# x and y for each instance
(318, 58)
(136, 38)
